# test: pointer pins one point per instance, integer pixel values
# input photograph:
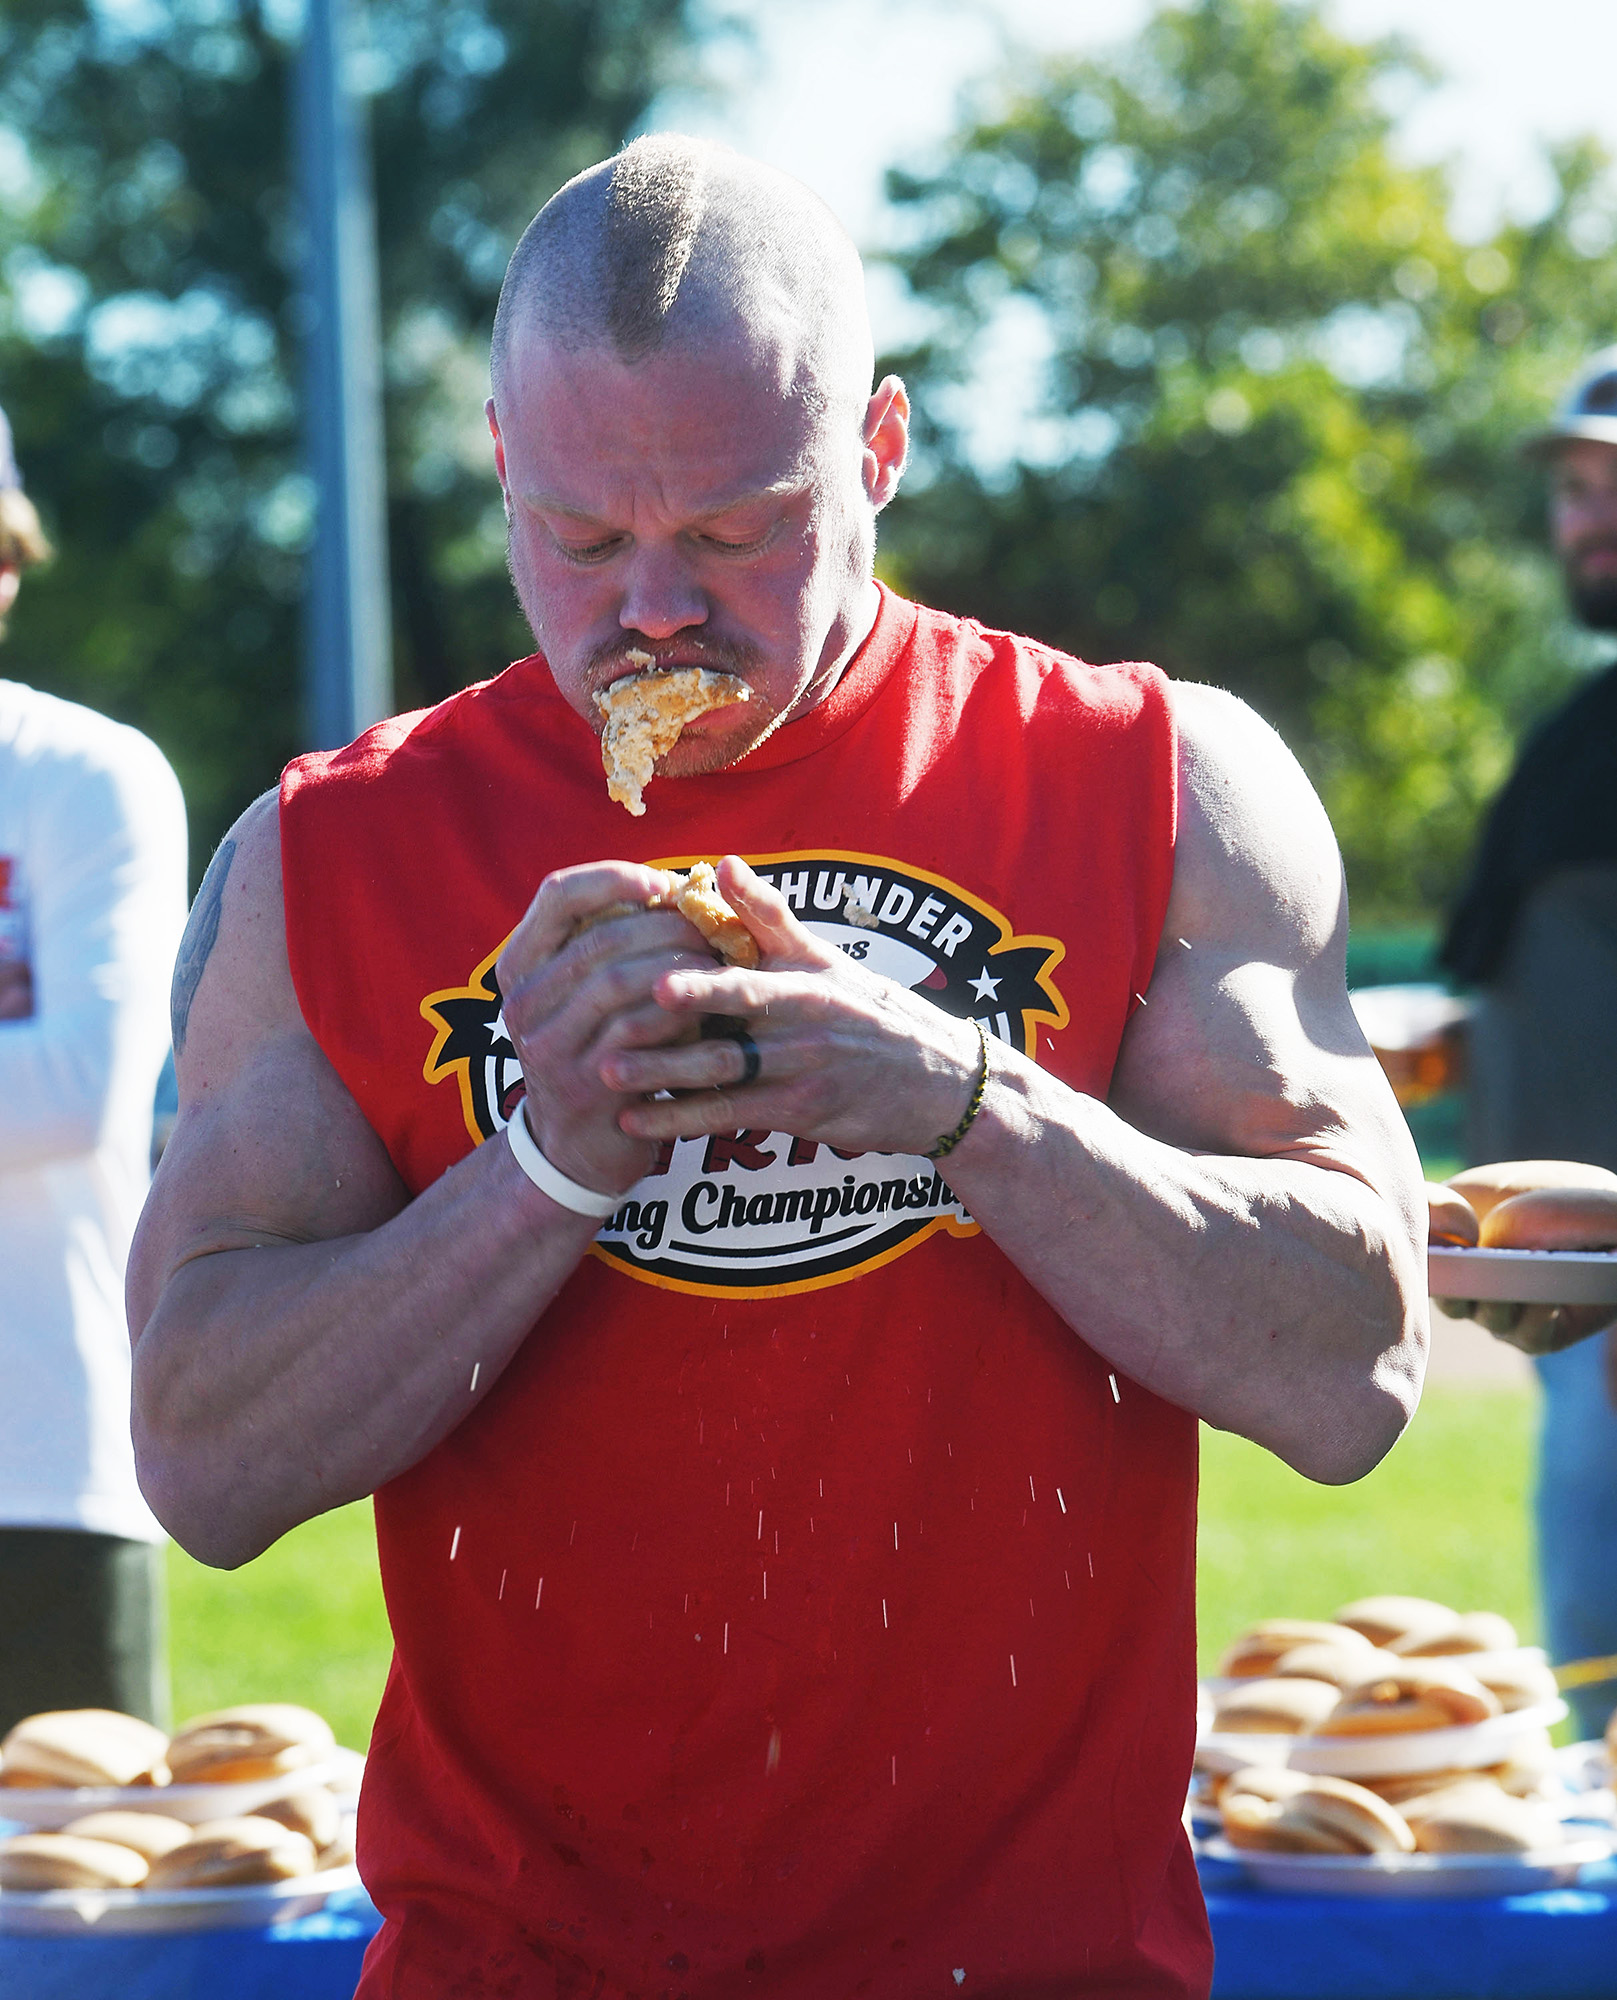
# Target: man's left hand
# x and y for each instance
(844, 1056)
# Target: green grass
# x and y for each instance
(1444, 1516)
(303, 1623)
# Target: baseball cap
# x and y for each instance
(1587, 410)
(9, 475)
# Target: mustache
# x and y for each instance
(610, 662)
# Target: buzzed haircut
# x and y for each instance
(654, 208)
(676, 236)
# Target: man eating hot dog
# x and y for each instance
(778, 1384)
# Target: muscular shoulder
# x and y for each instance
(231, 980)
(1256, 862)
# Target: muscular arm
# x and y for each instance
(303, 1330)
(1240, 1228)
(1244, 1231)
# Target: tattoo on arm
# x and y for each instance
(196, 947)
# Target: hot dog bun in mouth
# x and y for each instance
(643, 714)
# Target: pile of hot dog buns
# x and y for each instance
(1385, 1667)
(1525, 1205)
(299, 1833)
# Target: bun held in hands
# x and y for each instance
(1580, 1218)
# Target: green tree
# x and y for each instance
(148, 336)
(1278, 401)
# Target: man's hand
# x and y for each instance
(16, 990)
(1532, 1329)
(574, 1005)
(845, 1056)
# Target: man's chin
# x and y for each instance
(699, 752)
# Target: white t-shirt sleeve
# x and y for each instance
(105, 882)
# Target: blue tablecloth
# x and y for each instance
(315, 1958)
(1561, 1945)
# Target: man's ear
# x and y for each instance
(499, 452)
(887, 440)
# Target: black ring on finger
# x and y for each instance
(753, 1060)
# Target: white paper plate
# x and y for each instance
(1415, 1874)
(1468, 1747)
(1524, 1277)
(42, 1809)
(1508, 1659)
(101, 1912)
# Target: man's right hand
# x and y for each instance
(569, 1000)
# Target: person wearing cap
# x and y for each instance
(1535, 932)
(92, 900)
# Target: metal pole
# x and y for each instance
(349, 663)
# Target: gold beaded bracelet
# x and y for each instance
(950, 1140)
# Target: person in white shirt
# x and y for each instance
(92, 902)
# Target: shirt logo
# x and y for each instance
(758, 1214)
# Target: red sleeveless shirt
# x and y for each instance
(807, 1611)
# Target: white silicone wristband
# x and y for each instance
(551, 1180)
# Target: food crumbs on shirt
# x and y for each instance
(960, 1975)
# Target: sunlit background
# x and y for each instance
(1224, 323)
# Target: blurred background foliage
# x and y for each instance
(149, 320)
(1203, 375)
(1274, 439)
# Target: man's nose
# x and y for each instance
(661, 597)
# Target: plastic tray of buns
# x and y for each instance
(1417, 1874)
(42, 1808)
(1471, 1746)
(75, 1912)
(1523, 1277)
